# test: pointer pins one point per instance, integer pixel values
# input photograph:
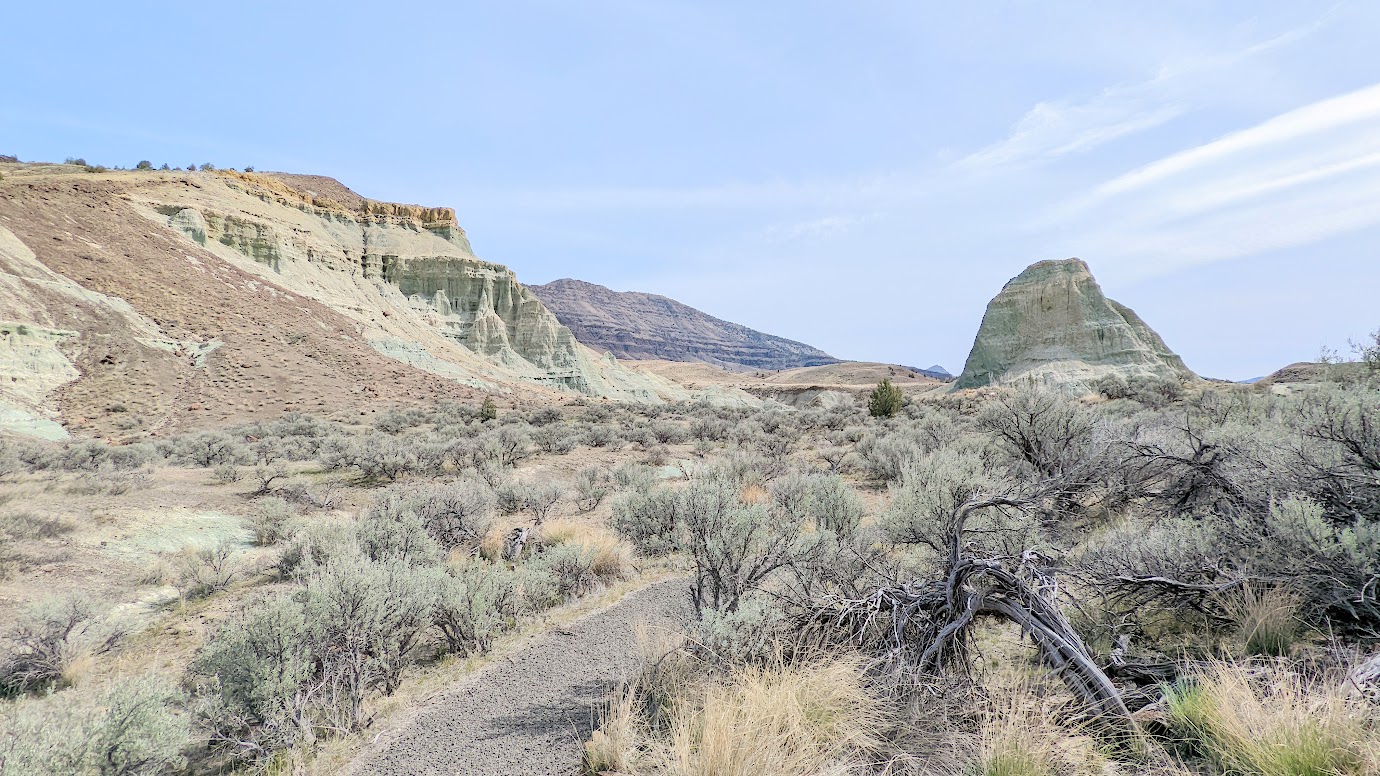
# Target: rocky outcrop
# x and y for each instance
(406, 273)
(1052, 325)
(642, 326)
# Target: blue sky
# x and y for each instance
(860, 176)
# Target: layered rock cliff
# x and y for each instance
(642, 326)
(406, 273)
(137, 303)
(1053, 325)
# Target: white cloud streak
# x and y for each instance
(1311, 121)
(1057, 128)
(817, 228)
(1054, 129)
(1297, 178)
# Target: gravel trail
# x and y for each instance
(529, 712)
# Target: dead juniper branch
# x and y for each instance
(933, 619)
(514, 543)
(925, 625)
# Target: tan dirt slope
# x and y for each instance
(277, 350)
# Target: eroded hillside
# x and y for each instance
(635, 325)
(156, 301)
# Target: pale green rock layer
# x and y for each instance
(1051, 325)
(408, 276)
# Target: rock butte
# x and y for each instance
(1052, 325)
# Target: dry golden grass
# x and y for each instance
(1269, 721)
(613, 747)
(1020, 738)
(780, 720)
(754, 493)
(814, 719)
(1268, 620)
(610, 557)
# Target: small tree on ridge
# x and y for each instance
(886, 400)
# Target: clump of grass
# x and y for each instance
(613, 747)
(1268, 621)
(1273, 724)
(780, 720)
(22, 525)
(754, 494)
(610, 559)
(1019, 739)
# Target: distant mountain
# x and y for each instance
(936, 371)
(634, 325)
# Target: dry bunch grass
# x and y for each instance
(610, 557)
(1270, 721)
(793, 720)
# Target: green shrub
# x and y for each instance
(456, 515)
(397, 534)
(752, 633)
(317, 545)
(476, 601)
(263, 663)
(592, 486)
(635, 477)
(49, 639)
(270, 520)
(373, 616)
(736, 547)
(1154, 392)
(886, 400)
(835, 506)
(209, 448)
(291, 666)
(648, 520)
(934, 489)
(1040, 428)
(134, 728)
(883, 456)
(570, 566)
(208, 570)
(488, 410)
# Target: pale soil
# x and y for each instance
(529, 712)
(842, 376)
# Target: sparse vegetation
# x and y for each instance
(822, 547)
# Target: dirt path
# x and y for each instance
(528, 713)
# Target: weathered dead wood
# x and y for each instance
(933, 619)
(513, 544)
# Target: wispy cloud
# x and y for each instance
(816, 228)
(1053, 129)
(1077, 124)
(1302, 176)
(1284, 132)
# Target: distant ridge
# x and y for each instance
(936, 371)
(640, 326)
